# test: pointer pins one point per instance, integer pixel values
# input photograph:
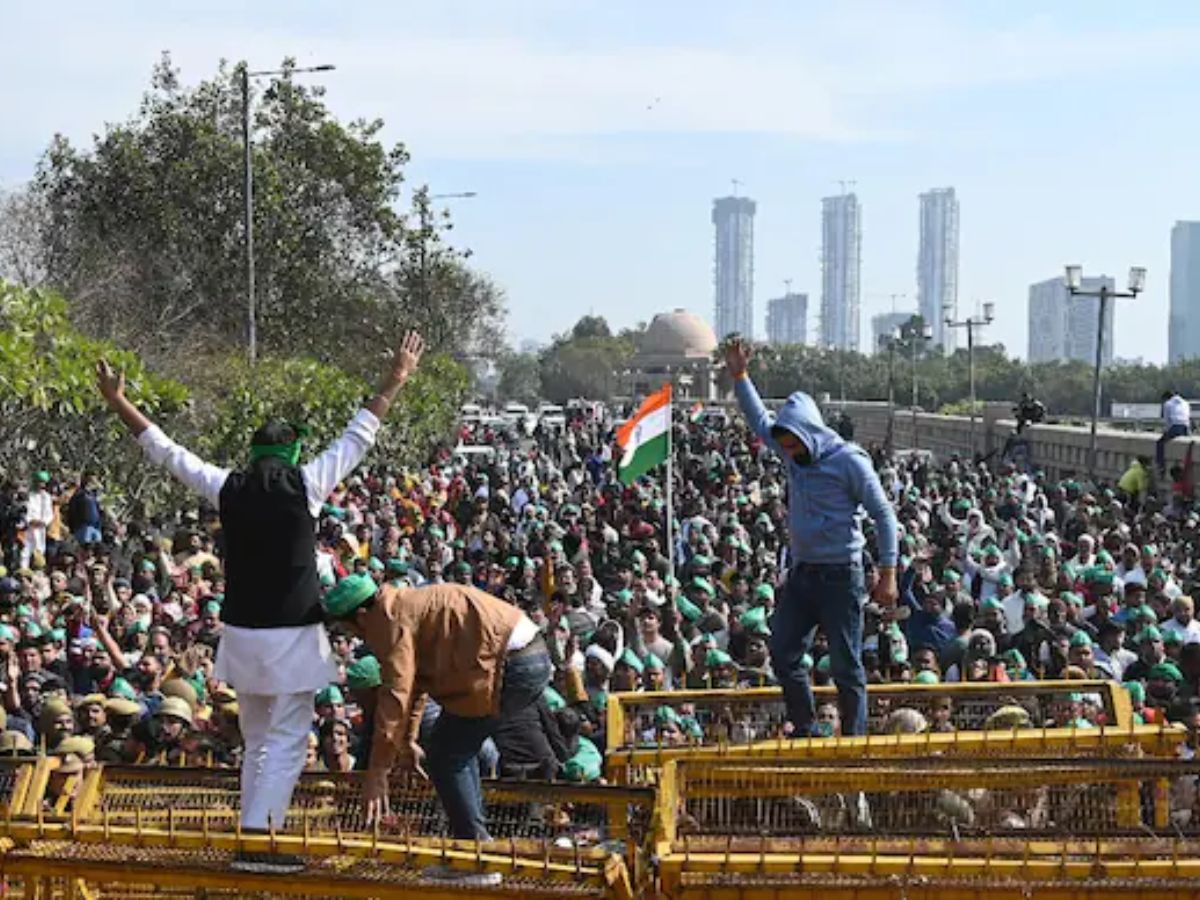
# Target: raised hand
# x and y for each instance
(110, 381)
(407, 357)
(737, 357)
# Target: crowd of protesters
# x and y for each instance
(109, 626)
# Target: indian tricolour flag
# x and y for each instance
(644, 438)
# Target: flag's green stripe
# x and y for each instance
(646, 457)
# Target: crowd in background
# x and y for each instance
(109, 628)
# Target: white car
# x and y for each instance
(552, 416)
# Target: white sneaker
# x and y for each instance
(443, 872)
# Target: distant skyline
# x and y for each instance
(733, 267)
(937, 263)
(597, 134)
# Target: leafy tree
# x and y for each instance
(585, 362)
(53, 416)
(143, 230)
(520, 377)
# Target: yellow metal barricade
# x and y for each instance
(751, 828)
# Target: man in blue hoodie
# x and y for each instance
(829, 482)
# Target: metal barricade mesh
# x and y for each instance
(740, 717)
(127, 871)
(956, 798)
(575, 816)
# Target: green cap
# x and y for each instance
(7, 633)
(653, 663)
(764, 592)
(624, 596)
(704, 584)
(212, 608)
(666, 715)
(754, 620)
(41, 476)
(329, 694)
(1137, 691)
(1149, 633)
(364, 673)
(1172, 637)
(1081, 639)
(1036, 600)
(951, 577)
(715, 658)
(689, 610)
(992, 603)
(629, 658)
(926, 677)
(1072, 598)
(375, 564)
(554, 699)
(1013, 657)
(122, 688)
(1165, 671)
(349, 594)
(58, 635)
(397, 566)
(1147, 612)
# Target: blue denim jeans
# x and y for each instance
(452, 752)
(831, 596)
(1160, 448)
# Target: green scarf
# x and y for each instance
(289, 453)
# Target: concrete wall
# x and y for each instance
(1056, 448)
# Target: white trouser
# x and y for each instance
(35, 542)
(275, 729)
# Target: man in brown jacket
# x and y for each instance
(479, 657)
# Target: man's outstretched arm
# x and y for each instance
(194, 473)
(321, 475)
(758, 417)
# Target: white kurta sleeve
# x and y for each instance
(194, 473)
(322, 474)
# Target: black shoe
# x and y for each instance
(268, 863)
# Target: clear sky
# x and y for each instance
(597, 132)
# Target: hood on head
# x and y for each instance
(800, 416)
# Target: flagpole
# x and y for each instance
(670, 479)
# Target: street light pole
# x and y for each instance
(971, 323)
(917, 338)
(1074, 283)
(248, 195)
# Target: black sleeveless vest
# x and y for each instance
(270, 548)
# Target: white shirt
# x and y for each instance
(1189, 633)
(1177, 411)
(295, 659)
(39, 506)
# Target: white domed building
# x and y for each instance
(677, 347)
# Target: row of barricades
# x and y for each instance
(1071, 798)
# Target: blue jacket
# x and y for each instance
(924, 629)
(825, 495)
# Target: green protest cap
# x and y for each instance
(806, 662)
(212, 608)
(653, 663)
(1149, 633)
(375, 564)
(1072, 598)
(349, 594)
(992, 603)
(1137, 691)
(1101, 577)
(7, 633)
(554, 700)
(364, 673)
(700, 561)
(1081, 639)
(951, 577)
(1165, 671)
(1037, 601)
(754, 620)
(717, 658)
(397, 566)
(623, 596)
(665, 715)
(58, 635)
(1172, 638)
(1014, 657)
(629, 658)
(331, 694)
(1147, 612)
(926, 677)
(122, 688)
(688, 609)
(703, 584)
(764, 592)
(41, 477)
(823, 663)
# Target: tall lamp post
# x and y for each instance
(971, 323)
(248, 193)
(890, 341)
(1074, 282)
(917, 339)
